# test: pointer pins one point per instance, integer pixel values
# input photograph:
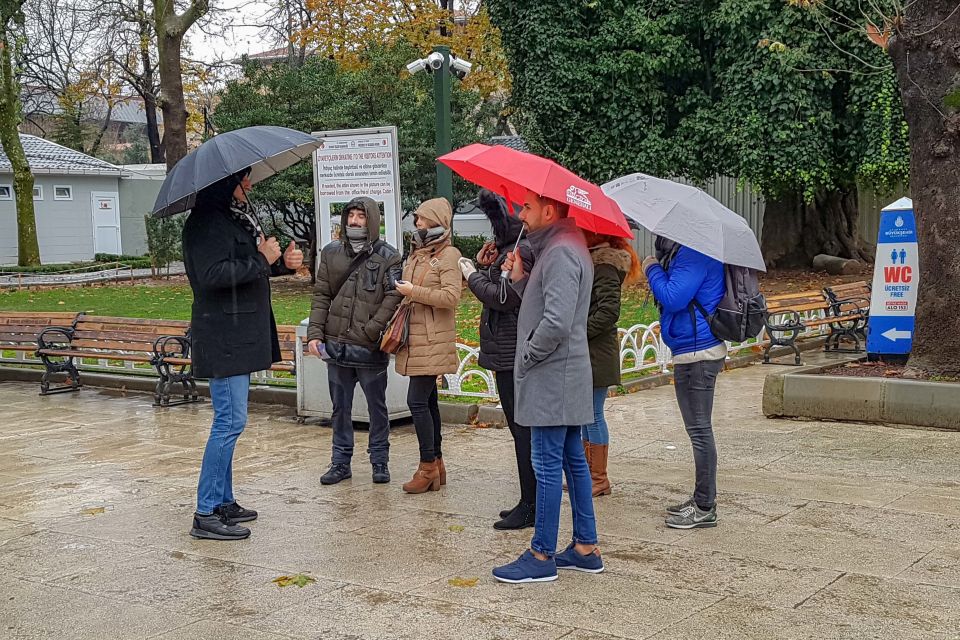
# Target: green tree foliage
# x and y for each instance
(759, 89)
(164, 241)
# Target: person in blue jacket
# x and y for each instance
(677, 276)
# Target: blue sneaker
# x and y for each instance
(569, 558)
(527, 568)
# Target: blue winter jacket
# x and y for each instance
(691, 275)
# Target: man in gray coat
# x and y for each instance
(553, 394)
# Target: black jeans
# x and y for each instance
(425, 409)
(521, 438)
(343, 381)
(695, 384)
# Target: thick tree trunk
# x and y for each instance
(172, 102)
(795, 231)
(170, 29)
(11, 114)
(927, 60)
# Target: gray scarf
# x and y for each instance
(357, 237)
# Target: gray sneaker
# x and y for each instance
(677, 509)
(692, 517)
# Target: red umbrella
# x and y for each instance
(511, 173)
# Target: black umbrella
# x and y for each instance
(266, 149)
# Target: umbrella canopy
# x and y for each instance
(687, 215)
(266, 149)
(511, 173)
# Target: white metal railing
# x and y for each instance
(641, 351)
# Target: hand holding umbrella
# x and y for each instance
(513, 266)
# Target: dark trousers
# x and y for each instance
(695, 385)
(521, 438)
(422, 400)
(343, 381)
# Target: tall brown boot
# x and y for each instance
(598, 469)
(443, 471)
(426, 478)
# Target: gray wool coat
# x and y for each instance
(553, 379)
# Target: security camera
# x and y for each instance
(417, 66)
(460, 67)
(435, 61)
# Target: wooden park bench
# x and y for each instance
(287, 335)
(19, 329)
(99, 338)
(844, 309)
(850, 308)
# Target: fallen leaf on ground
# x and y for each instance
(463, 582)
(456, 528)
(93, 511)
(300, 580)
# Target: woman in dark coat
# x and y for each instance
(614, 264)
(229, 262)
(498, 341)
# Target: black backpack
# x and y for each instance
(743, 309)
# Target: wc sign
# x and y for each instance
(893, 299)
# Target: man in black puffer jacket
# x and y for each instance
(498, 340)
(353, 301)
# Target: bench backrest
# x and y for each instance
(800, 302)
(287, 335)
(850, 291)
(20, 328)
(106, 333)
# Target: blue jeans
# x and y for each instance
(557, 451)
(597, 433)
(229, 396)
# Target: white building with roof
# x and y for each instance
(77, 199)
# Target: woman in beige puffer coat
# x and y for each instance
(432, 284)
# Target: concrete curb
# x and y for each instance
(806, 393)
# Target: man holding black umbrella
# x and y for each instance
(229, 262)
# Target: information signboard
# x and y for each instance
(352, 163)
(896, 278)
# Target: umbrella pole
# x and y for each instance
(503, 274)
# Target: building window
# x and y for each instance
(62, 192)
(38, 192)
(6, 192)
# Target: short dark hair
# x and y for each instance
(563, 209)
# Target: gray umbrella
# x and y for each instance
(687, 215)
(266, 149)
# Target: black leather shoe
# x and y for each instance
(214, 527)
(235, 513)
(381, 474)
(336, 473)
(506, 512)
(520, 518)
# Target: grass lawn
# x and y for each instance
(291, 303)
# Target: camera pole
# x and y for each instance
(441, 97)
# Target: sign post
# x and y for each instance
(351, 163)
(896, 278)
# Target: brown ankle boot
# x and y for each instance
(426, 478)
(443, 471)
(598, 469)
